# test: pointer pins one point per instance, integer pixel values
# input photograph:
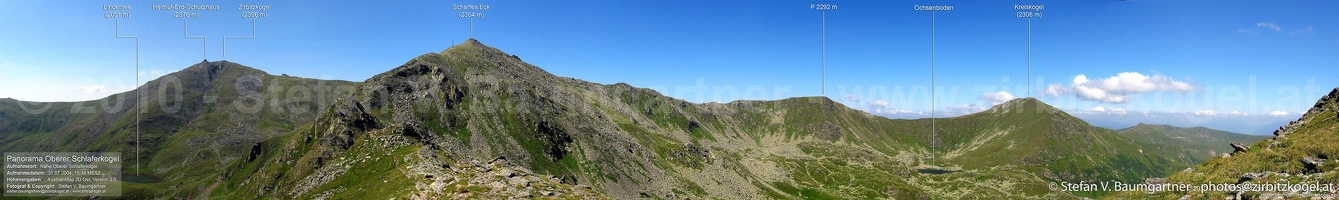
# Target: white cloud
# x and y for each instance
(962, 109)
(46, 84)
(1276, 28)
(895, 112)
(852, 98)
(1237, 113)
(1107, 110)
(1054, 90)
(1213, 113)
(1270, 26)
(1305, 31)
(997, 97)
(91, 89)
(1278, 113)
(150, 75)
(1116, 89)
(878, 104)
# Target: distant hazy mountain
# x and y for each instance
(1249, 125)
(474, 122)
(1197, 144)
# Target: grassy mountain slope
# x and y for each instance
(194, 121)
(1027, 134)
(1301, 152)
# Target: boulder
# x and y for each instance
(1237, 147)
(1312, 164)
(255, 152)
(1248, 176)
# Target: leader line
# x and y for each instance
(187, 33)
(138, 110)
(225, 38)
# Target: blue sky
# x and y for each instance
(1211, 63)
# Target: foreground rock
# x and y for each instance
(497, 179)
(1237, 147)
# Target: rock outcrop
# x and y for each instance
(1251, 176)
(1237, 147)
(1321, 105)
(1312, 164)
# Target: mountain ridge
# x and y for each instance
(474, 122)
